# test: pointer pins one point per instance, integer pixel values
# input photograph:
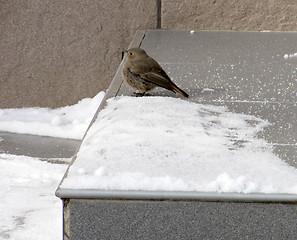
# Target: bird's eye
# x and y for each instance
(130, 53)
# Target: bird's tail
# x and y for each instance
(177, 89)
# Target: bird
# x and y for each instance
(144, 73)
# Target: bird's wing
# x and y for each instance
(158, 79)
(161, 79)
(149, 70)
(152, 72)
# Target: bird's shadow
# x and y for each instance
(193, 93)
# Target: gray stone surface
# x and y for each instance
(115, 219)
(54, 53)
(48, 148)
(246, 70)
(276, 15)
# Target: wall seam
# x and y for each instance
(159, 5)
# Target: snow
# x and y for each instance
(207, 90)
(65, 122)
(29, 208)
(292, 55)
(167, 144)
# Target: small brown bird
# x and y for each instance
(143, 73)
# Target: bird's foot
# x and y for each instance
(139, 94)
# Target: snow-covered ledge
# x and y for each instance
(164, 145)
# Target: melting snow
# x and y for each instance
(29, 208)
(167, 144)
(286, 56)
(65, 122)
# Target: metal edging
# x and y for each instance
(176, 196)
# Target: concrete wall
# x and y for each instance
(54, 53)
(238, 15)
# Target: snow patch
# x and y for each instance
(207, 90)
(293, 55)
(65, 122)
(29, 208)
(168, 144)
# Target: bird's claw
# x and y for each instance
(139, 94)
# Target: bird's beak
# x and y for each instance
(123, 53)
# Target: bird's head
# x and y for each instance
(136, 53)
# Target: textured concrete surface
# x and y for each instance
(54, 53)
(276, 15)
(113, 219)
